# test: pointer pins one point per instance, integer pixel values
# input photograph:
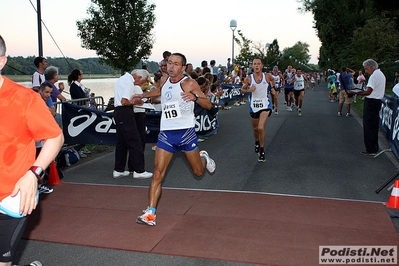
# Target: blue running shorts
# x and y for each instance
(178, 140)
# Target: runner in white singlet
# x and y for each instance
(299, 82)
(259, 103)
(178, 95)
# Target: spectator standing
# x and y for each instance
(396, 80)
(140, 77)
(346, 81)
(162, 68)
(30, 120)
(38, 77)
(45, 92)
(212, 64)
(229, 65)
(189, 69)
(92, 101)
(128, 142)
(51, 75)
(76, 88)
(361, 79)
(361, 83)
(147, 84)
(78, 91)
(375, 90)
(156, 100)
(331, 78)
(165, 57)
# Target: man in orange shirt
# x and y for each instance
(29, 121)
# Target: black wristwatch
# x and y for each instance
(38, 171)
(196, 97)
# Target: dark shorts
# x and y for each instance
(257, 114)
(288, 90)
(11, 230)
(298, 92)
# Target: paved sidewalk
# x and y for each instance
(316, 156)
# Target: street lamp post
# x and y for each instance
(267, 59)
(233, 26)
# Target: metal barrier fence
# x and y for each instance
(96, 102)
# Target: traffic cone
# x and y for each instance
(393, 202)
(53, 178)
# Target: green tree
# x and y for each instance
(246, 54)
(336, 23)
(13, 67)
(379, 40)
(270, 56)
(119, 31)
(297, 56)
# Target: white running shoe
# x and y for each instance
(210, 163)
(43, 189)
(142, 175)
(147, 218)
(117, 174)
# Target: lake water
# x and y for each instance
(101, 87)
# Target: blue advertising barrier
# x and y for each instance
(389, 122)
(82, 125)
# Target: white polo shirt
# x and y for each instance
(124, 88)
(377, 82)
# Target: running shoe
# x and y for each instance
(82, 154)
(275, 111)
(262, 157)
(142, 175)
(236, 104)
(348, 114)
(290, 109)
(86, 151)
(43, 189)
(210, 163)
(256, 148)
(299, 112)
(147, 218)
(117, 174)
(339, 114)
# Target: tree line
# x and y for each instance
(24, 65)
(353, 31)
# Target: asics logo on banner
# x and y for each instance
(79, 123)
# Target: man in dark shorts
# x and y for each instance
(259, 103)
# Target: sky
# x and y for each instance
(198, 29)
